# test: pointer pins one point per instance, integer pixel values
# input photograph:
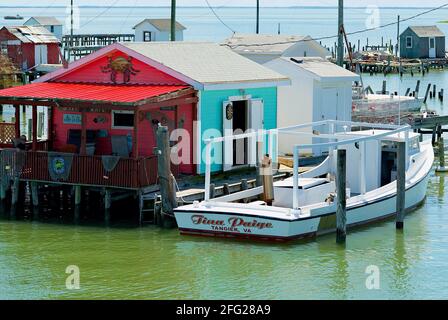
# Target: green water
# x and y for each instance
(150, 263)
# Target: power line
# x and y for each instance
(218, 17)
(332, 37)
(129, 14)
(100, 14)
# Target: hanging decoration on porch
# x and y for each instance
(120, 65)
(59, 165)
(110, 162)
(229, 111)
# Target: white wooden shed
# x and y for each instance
(262, 48)
(150, 30)
(319, 90)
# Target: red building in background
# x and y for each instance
(29, 46)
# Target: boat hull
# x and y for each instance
(248, 226)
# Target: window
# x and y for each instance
(408, 42)
(147, 36)
(432, 43)
(122, 119)
(52, 29)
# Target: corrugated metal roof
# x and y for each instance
(33, 34)
(162, 24)
(427, 31)
(204, 62)
(262, 43)
(46, 21)
(88, 92)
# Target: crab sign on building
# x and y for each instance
(120, 65)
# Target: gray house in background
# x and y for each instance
(50, 23)
(422, 42)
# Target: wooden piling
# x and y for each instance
(428, 89)
(383, 91)
(212, 190)
(341, 214)
(434, 90)
(441, 167)
(140, 207)
(167, 188)
(78, 199)
(226, 189)
(433, 136)
(14, 196)
(107, 205)
(35, 198)
(417, 88)
(401, 184)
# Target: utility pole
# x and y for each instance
(258, 17)
(71, 24)
(340, 55)
(398, 35)
(173, 20)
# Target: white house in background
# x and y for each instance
(320, 90)
(50, 23)
(262, 48)
(157, 30)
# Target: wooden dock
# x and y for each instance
(81, 45)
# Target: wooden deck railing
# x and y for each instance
(84, 170)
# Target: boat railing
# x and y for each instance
(334, 140)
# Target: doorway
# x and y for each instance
(432, 47)
(240, 125)
(241, 116)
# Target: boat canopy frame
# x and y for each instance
(341, 140)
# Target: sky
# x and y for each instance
(218, 3)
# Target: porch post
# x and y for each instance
(34, 116)
(83, 132)
(17, 124)
(135, 141)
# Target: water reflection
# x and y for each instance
(400, 265)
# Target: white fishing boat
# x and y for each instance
(304, 205)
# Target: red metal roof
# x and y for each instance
(88, 92)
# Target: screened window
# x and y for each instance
(122, 119)
(408, 42)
